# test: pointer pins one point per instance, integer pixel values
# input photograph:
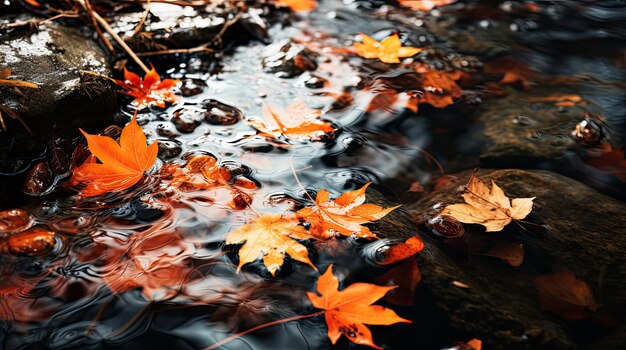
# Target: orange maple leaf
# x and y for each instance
(345, 215)
(402, 250)
(121, 165)
(150, 90)
(439, 88)
(425, 5)
(350, 309)
(272, 236)
(299, 5)
(298, 122)
(390, 50)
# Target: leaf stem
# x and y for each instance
(261, 326)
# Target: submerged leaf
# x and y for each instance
(150, 90)
(344, 215)
(390, 50)
(298, 122)
(349, 310)
(492, 209)
(271, 236)
(121, 165)
(565, 295)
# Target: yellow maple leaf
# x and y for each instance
(390, 50)
(345, 215)
(492, 209)
(272, 236)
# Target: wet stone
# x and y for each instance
(169, 149)
(35, 241)
(65, 101)
(287, 59)
(166, 130)
(501, 306)
(315, 82)
(14, 220)
(192, 87)
(187, 119)
(218, 113)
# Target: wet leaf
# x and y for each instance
(298, 122)
(390, 50)
(344, 215)
(475, 344)
(349, 310)
(425, 5)
(611, 161)
(299, 5)
(149, 90)
(492, 209)
(406, 276)
(510, 253)
(271, 236)
(561, 100)
(565, 295)
(439, 89)
(155, 261)
(121, 165)
(403, 250)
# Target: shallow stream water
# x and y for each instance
(76, 295)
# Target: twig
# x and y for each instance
(95, 26)
(175, 51)
(38, 22)
(143, 19)
(264, 325)
(120, 41)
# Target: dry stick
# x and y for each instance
(265, 325)
(143, 19)
(38, 22)
(120, 41)
(95, 26)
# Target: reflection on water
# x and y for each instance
(148, 268)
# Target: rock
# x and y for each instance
(572, 227)
(287, 59)
(520, 127)
(51, 57)
(170, 26)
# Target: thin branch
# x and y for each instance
(120, 41)
(264, 325)
(94, 24)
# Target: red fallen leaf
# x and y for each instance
(122, 165)
(425, 5)
(565, 295)
(475, 344)
(350, 309)
(202, 172)
(406, 276)
(613, 162)
(150, 90)
(513, 72)
(299, 5)
(416, 186)
(389, 50)
(391, 100)
(439, 88)
(562, 100)
(401, 251)
(156, 262)
(298, 122)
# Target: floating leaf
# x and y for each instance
(121, 165)
(475, 344)
(150, 90)
(299, 5)
(565, 295)
(390, 50)
(406, 276)
(349, 310)
(403, 250)
(271, 236)
(298, 122)
(511, 253)
(344, 215)
(425, 5)
(492, 209)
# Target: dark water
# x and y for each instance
(63, 299)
